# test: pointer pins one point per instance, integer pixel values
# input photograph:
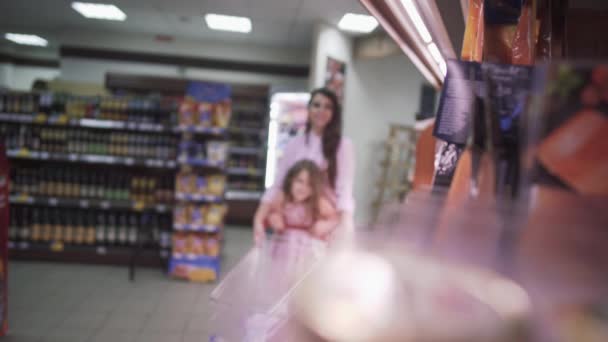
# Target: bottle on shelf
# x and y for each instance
(101, 229)
(133, 225)
(123, 229)
(111, 229)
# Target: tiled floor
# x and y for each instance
(84, 303)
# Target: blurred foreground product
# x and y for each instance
(385, 292)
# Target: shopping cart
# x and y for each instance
(252, 302)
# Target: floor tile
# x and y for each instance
(125, 322)
(198, 323)
(113, 336)
(166, 323)
(142, 305)
(159, 337)
(195, 337)
(68, 336)
(14, 336)
(83, 321)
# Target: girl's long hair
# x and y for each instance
(315, 177)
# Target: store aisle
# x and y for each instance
(84, 303)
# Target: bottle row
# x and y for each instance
(86, 141)
(132, 109)
(86, 227)
(98, 183)
(244, 161)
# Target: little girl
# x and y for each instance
(302, 204)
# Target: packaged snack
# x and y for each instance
(217, 151)
(186, 114)
(222, 114)
(216, 185)
(212, 246)
(199, 214)
(205, 115)
(182, 214)
(524, 41)
(472, 45)
(202, 275)
(501, 18)
(186, 182)
(566, 127)
(197, 244)
(202, 185)
(215, 214)
(179, 244)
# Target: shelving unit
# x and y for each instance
(89, 175)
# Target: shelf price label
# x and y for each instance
(57, 246)
(24, 152)
(53, 202)
(40, 118)
(138, 205)
(104, 205)
(101, 250)
(84, 203)
(129, 161)
(72, 157)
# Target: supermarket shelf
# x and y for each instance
(243, 171)
(200, 163)
(195, 257)
(95, 254)
(201, 130)
(85, 203)
(252, 151)
(246, 130)
(235, 195)
(196, 228)
(91, 159)
(89, 123)
(198, 198)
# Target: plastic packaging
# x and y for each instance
(524, 42)
(472, 46)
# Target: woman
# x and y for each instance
(324, 144)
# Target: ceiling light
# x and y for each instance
(438, 57)
(435, 53)
(357, 23)
(99, 11)
(417, 20)
(230, 23)
(26, 39)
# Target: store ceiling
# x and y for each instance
(277, 23)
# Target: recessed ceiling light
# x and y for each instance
(357, 23)
(99, 11)
(230, 23)
(26, 39)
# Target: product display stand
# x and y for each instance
(201, 182)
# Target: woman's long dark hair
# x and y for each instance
(332, 134)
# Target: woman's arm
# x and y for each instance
(268, 213)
